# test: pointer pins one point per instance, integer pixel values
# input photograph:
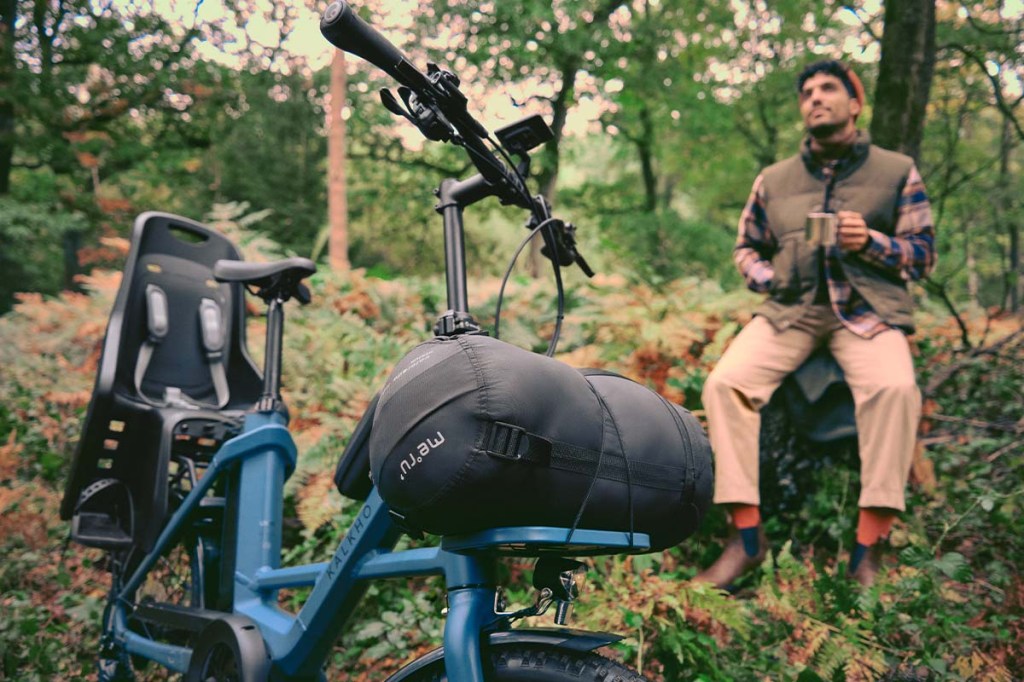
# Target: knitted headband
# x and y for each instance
(853, 85)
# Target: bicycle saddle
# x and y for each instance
(278, 278)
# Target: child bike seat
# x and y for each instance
(174, 380)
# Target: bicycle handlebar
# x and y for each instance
(438, 108)
(346, 31)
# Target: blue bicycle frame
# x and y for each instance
(259, 460)
(299, 644)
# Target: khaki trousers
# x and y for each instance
(879, 371)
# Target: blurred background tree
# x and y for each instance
(663, 113)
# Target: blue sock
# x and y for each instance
(751, 545)
(859, 551)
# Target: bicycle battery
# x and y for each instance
(472, 433)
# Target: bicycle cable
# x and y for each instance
(559, 285)
(512, 165)
(525, 195)
(498, 167)
(556, 267)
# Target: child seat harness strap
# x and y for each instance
(211, 325)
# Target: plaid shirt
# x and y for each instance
(910, 252)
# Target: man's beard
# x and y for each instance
(823, 131)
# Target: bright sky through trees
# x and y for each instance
(304, 41)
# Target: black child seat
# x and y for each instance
(174, 380)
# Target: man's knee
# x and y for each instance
(898, 388)
(898, 392)
(720, 381)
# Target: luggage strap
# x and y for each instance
(516, 444)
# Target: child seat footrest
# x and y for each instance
(104, 516)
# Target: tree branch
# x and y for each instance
(942, 377)
(997, 90)
(989, 31)
(399, 158)
(977, 423)
(864, 24)
(1003, 450)
(940, 290)
(968, 176)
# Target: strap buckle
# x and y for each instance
(504, 440)
(514, 443)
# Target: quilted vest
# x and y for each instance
(870, 182)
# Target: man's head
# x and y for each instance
(831, 98)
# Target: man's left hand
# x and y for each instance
(853, 231)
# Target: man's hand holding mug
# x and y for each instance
(852, 231)
(845, 228)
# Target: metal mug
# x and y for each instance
(822, 229)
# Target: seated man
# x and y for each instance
(832, 234)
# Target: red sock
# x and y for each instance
(873, 524)
(746, 516)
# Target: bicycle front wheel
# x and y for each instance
(540, 663)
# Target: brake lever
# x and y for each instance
(390, 103)
(426, 116)
(584, 266)
(569, 236)
(565, 245)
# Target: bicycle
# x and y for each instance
(185, 451)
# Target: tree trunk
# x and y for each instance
(973, 281)
(1004, 212)
(904, 75)
(337, 202)
(547, 177)
(8, 8)
(646, 148)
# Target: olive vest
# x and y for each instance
(870, 181)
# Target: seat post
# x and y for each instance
(271, 397)
(275, 283)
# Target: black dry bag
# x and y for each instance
(472, 433)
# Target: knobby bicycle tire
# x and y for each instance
(540, 663)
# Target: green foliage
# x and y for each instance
(661, 247)
(277, 128)
(114, 104)
(81, 69)
(36, 243)
(950, 610)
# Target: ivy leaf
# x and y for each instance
(915, 556)
(954, 566)
(371, 631)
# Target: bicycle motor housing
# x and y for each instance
(173, 381)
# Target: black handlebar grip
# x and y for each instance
(343, 28)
